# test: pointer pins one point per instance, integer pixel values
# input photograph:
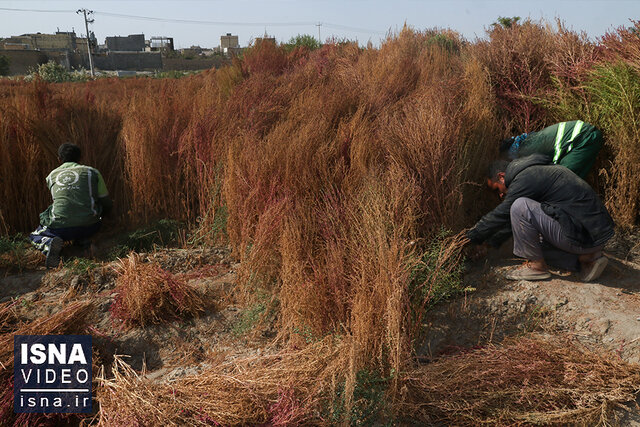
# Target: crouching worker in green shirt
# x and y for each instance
(80, 199)
(574, 145)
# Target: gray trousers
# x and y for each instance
(530, 224)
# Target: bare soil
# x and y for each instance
(604, 315)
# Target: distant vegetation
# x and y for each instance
(304, 40)
(53, 72)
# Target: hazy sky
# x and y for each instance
(360, 20)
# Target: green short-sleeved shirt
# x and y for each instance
(75, 190)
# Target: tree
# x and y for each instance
(506, 22)
(4, 65)
(305, 40)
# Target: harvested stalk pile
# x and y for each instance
(282, 389)
(148, 294)
(525, 381)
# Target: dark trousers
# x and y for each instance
(42, 237)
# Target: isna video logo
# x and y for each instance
(52, 373)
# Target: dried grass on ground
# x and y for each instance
(148, 294)
(524, 381)
(283, 389)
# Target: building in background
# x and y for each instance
(160, 43)
(59, 42)
(130, 43)
(229, 44)
(130, 53)
(27, 51)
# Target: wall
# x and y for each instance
(192, 64)
(21, 61)
(128, 61)
(131, 43)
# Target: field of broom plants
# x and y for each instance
(340, 177)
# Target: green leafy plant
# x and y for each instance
(369, 404)
(16, 253)
(436, 277)
(80, 266)
(53, 72)
(262, 311)
(13, 243)
(302, 40)
(173, 74)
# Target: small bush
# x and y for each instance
(173, 74)
(81, 266)
(53, 72)
(262, 311)
(437, 276)
(148, 294)
(369, 404)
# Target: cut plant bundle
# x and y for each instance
(147, 294)
(525, 381)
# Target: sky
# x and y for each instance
(202, 22)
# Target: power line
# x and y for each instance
(193, 21)
(354, 29)
(202, 22)
(37, 10)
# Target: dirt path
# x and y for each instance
(604, 314)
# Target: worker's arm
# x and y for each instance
(103, 196)
(106, 204)
(495, 227)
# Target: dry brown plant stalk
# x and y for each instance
(525, 381)
(148, 294)
(281, 389)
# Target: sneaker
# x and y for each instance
(527, 273)
(53, 257)
(594, 269)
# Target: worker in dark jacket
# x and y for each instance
(548, 201)
(572, 144)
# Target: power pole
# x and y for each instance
(319, 24)
(86, 26)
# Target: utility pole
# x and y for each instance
(319, 24)
(86, 26)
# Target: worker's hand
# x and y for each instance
(476, 252)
